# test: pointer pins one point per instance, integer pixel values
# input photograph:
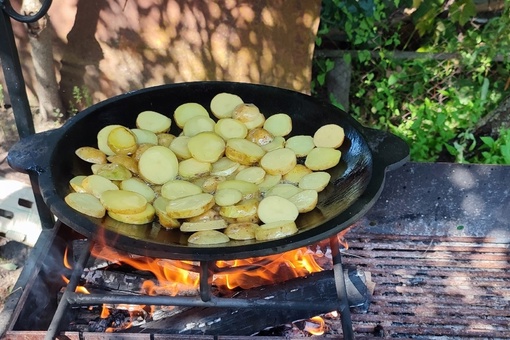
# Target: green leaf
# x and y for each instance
(392, 80)
(452, 150)
(321, 78)
(485, 89)
(489, 141)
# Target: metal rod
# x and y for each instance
(54, 327)
(341, 289)
(205, 281)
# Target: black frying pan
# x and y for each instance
(355, 184)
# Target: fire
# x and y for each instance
(315, 326)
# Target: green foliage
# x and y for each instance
(81, 99)
(495, 151)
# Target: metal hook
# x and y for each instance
(7, 8)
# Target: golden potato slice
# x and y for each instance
(145, 136)
(112, 171)
(203, 225)
(252, 174)
(329, 136)
(227, 196)
(279, 124)
(277, 143)
(165, 139)
(207, 237)
(143, 217)
(211, 214)
(209, 184)
(158, 165)
(191, 168)
(95, 185)
(91, 155)
(247, 208)
(269, 182)
(140, 150)
(223, 104)
(153, 121)
(190, 206)
(180, 147)
(249, 190)
(285, 190)
(275, 230)
(127, 161)
(122, 141)
(295, 175)
(224, 167)
(317, 181)
(276, 208)
(178, 188)
(260, 136)
(86, 204)
(305, 200)
(198, 124)
(256, 123)
(279, 161)
(166, 221)
(123, 201)
(243, 151)
(228, 128)
(300, 144)
(322, 158)
(139, 186)
(76, 183)
(102, 139)
(206, 147)
(186, 111)
(247, 113)
(241, 231)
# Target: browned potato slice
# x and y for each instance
(276, 208)
(224, 167)
(211, 214)
(209, 184)
(223, 104)
(153, 121)
(253, 174)
(301, 145)
(198, 124)
(91, 155)
(317, 181)
(127, 161)
(102, 139)
(186, 111)
(277, 143)
(285, 190)
(227, 196)
(180, 147)
(249, 190)
(329, 136)
(275, 230)
(190, 206)
(322, 158)
(206, 147)
(191, 168)
(279, 161)
(247, 114)
(243, 151)
(203, 225)
(139, 186)
(242, 209)
(166, 221)
(95, 185)
(279, 124)
(295, 175)
(269, 182)
(140, 150)
(143, 217)
(177, 188)
(112, 171)
(207, 237)
(260, 136)
(145, 136)
(76, 183)
(241, 231)
(158, 165)
(305, 200)
(123, 201)
(228, 128)
(122, 141)
(86, 204)
(165, 139)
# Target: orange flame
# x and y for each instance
(315, 326)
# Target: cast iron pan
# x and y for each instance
(355, 184)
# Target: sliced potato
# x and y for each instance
(285, 190)
(300, 144)
(278, 142)
(241, 231)
(275, 230)
(269, 182)
(247, 208)
(279, 124)
(122, 141)
(153, 121)
(158, 165)
(140, 150)
(206, 147)
(246, 113)
(191, 168)
(166, 221)
(91, 155)
(209, 183)
(102, 139)
(305, 200)
(123, 201)
(223, 104)
(249, 190)
(224, 167)
(256, 123)
(243, 151)
(322, 158)
(252, 174)
(139, 186)
(203, 225)
(143, 217)
(197, 124)
(329, 136)
(95, 185)
(165, 139)
(128, 162)
(112, 171)
(260, 136)
(145, 136)
(186, 111)
(76, 183)
(85, 203)
(177, 188)
(276, 208)
(228, 128)
(279, 161)
(295, 175)
(317, 181)
(190, 206)
(180, 147)
(211, 214)
(227, 196)
(206, 237)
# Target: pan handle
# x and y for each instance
(31, 153)
(387, 149)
